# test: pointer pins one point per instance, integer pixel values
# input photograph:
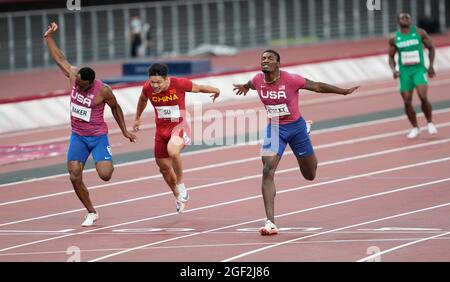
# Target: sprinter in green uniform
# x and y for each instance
(408, 41)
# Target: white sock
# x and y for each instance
(182, 189)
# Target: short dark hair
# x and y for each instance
(158, 69)
(273, 52)
(87, 73)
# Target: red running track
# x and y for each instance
(375, 190)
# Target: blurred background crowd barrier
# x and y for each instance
(172, 28)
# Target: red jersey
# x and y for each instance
(169, 105)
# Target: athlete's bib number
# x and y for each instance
(277, 110)
(168, 112)
(410, 57)
(80, 112)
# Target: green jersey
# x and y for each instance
(410, 50)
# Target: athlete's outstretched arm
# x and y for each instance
(142, 103)
(321, 87)
(196, 88)
(243, 88)
(392, 51)
(426, 39)
(56, 53)
(116, 110)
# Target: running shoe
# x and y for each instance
(268, 229)
(413, 133)
(432, 129)
(90, 219)
(183, 197)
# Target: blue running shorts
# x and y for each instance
(279, 135)
(81, 146)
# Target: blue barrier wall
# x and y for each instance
(175, 67)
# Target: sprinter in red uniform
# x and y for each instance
(172, 131)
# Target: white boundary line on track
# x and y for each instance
(337, 229)
(339, 241)
(287, 214)
(402, 246)
(238, 145)
(367, 155)
(259, 196)
(323, 146)
(252, 230)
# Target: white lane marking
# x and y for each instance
(297, 229)
(378, 254)
(400, 229)
(256, 197)
(36, 231)
(150, 230)
(178, 247)
(242, 178)
(339, 229)
(326, 130)
(283, 215)
(318, 147)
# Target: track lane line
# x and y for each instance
(402, 246)
(358, 157)
(155, 176)
(256, 197)
(288, 214)
(314, 132)
(337, 229)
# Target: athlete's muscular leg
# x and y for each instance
(165, 167)
(409, 109)
(424, 102)
(270, 164)
(174, 148)
(104, 170)
(308, 166)
(75, 169)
